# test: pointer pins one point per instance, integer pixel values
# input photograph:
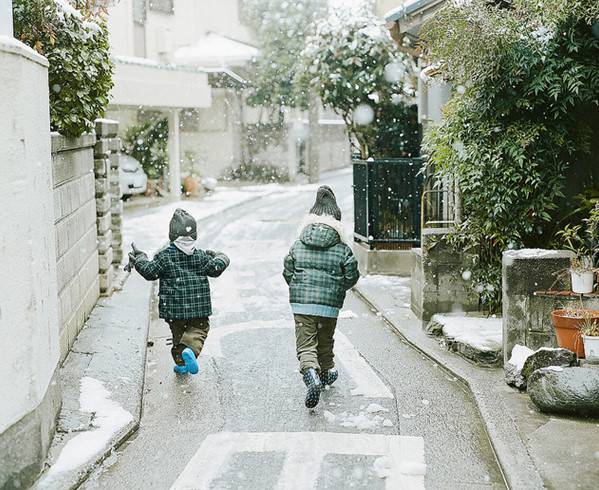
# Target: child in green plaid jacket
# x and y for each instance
(184, 292)
(319, 269)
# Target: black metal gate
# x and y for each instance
(387, 195)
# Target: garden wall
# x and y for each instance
(75, 228)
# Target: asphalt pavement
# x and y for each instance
(394, 419)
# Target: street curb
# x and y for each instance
(515, 462)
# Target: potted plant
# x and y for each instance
(581, 240)
(570, 325)
(589, 329)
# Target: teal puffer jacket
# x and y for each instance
(320, 268)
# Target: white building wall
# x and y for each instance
(190, 20)
(29, 328)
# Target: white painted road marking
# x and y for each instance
(304, 454)
(368, 384)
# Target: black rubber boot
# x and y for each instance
(329, 376)
(312, 381)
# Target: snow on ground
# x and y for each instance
(347, 314)
(109, 418)
(519, 355)
(481, 333)
(388, 282)
(149, 231)
(368, 418)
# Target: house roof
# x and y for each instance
(408, 7)
(215, 50)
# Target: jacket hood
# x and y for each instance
(321, 231)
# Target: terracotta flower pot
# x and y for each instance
(191, 185)
(567, 330)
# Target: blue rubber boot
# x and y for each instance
(191, 363)
(180, 369)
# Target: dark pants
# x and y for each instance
(314, 341)
(188, 333)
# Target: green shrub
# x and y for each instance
(147, 142)
(357, 70)
(527, 89)
(75, 42)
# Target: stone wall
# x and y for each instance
(75, 228)
(437, 282)
(526, 317)
(109, 206)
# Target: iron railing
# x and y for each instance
(387, 201)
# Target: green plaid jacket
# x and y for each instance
(320, 268)
(184, 289)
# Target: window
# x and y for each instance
(164, 6)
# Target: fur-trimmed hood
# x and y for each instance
(309, 226)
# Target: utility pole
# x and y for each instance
(313, 128)
(6, 28)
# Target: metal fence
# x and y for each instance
(387, 202)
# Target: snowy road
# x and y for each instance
(393, 420)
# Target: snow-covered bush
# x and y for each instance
(519, 132)
(354, 66)
(74, 38)
(280, 28)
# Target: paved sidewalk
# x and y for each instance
(102, 384)
(533, 449)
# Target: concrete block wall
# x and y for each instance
(109, 206)
(437, 283)
(74, 192)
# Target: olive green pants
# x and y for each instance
(188, 333)
(314, 341)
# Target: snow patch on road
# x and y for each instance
(364, 420)
(109, 419)
(150, 230)
(347, 314)
(484, 334)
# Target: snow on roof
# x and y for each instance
(214, 49)
(407, 7)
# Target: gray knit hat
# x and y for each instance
(325, 203)
(182, 224)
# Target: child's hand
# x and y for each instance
(211, 253)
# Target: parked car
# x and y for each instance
(132, 177)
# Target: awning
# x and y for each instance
(144, 82)
(214, 50)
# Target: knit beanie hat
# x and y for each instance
(182, 224)
(325, 203)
